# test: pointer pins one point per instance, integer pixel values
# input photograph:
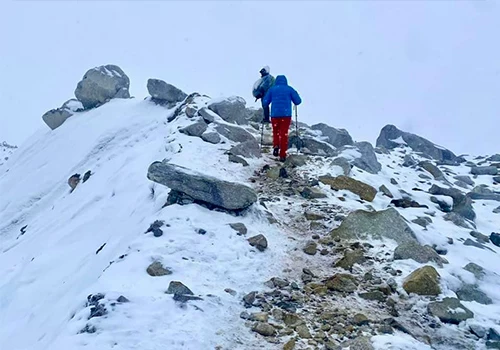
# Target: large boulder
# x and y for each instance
(484, 170)
(462, 204)
(309, 145)
(101, 84)
(450, 310)
(494, 158)
(433, 170)
(368, 160)
(335, 137)
(483, 192)
(364, 191)
(56, 117)
(160, 90)
(231, 109)
(471, 292)
(247, 149)
(197, 129)
(391, 137)
(422, 254)
(423, 281)
(202, 188)
(386, 224)
(233, 133)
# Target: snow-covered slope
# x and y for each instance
(58, 247)
(6, 151)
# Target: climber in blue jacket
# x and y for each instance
(280, 97)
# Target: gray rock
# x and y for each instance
(484, 170)
(469, 242)
(443, 205)
(482, 192)
(197, 129)
(312, 146)
(475, 269)
(495, 238)
(480, 237)
(350, 258)
(335, 137)
(232, 110)
(219, 193)
(423, 281)
(450, 310)
(364, 191)
(368, 160)
(496, 179)
(423, 221)
(101, 84)
(236, 159)
(73, 105)
(191, 111)
(56, 117)
(176, 287)
(362, 224)
(259, 242)
(264, 329)
(433, 170)
(461, 184)
(496, 210)
(493, 334)
(249, 299)
(462, 205)
(458, 220)
(157, 269)
(296, 160)
(407, 202)
(183, 298)
(233, 133)
(311, 248)
(312, 193)
(494, 158)
(465, 178)
(160, 90)
(341, 282)
(240, 228)
(478, 330)
(417, 252)
(254, 115)
(393, 181)
(343, 163)
(386, 191)
(375, 295)
(207, 115)
(415, 142)
(471, 292)
(409, 161)
(211, 137)
(247, 149)
(360, 343)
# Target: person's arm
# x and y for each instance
(295, 97)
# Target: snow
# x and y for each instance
(400, 341)
(399, 140)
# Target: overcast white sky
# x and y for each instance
(429, 67)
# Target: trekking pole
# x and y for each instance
(262, 136)
(297, 129)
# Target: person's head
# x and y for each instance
(265, 71)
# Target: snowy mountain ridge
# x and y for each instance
(123, 262)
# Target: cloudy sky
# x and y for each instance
(429, 67)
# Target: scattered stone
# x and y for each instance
(351, 257)
(494, 158)
(197, 129)
(360, 343)
(469, 242)
(303, 331)
(240, 228)
(86, 176)
(56, 117)
(450, 310)
(475, 269)
(249, 299)
(122, 299)
(342, 163)
(245, 315)
(207, 115)
(393, 181)
(495, 238)
(155, 227)
(484, 170)
(73, 181)
(264, 329)
(364, 191)
(386, 191)
(496, 179)
(478, 330)
(289, 345)
(423, 281)
(375, 295)
(311, 146)
(458, 220)
(259, 242)
(296, 160)
(232, 110)
(409, 161)
(183, 298)
(230, 291)
(233, 133)
(443, 205)
(493, 335)
(496, 210)
(461, 184)
(423, 221)
(417, 252)
(206, 189)
(176, 287)
(465, 178)
(362, 224)
(283, 173)
(433, 170)
(313, 216)
(335, 137)
(360, 320)
(407, 203)
(259, 317)
(236, 159)
(157, 269)
(480, 237)
(342, 283)
(471, 292)
(311, 248)
(160, 90)
(312, 193)
(211, 137)
(101, 84)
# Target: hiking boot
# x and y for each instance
(276, 151)
(282, 159)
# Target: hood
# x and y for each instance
(281, 80)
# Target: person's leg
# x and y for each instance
(266, 112)
(284, 126)
(276, 135)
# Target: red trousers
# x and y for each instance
(280, 133)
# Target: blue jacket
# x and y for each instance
(281, 96)
(262, 85)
